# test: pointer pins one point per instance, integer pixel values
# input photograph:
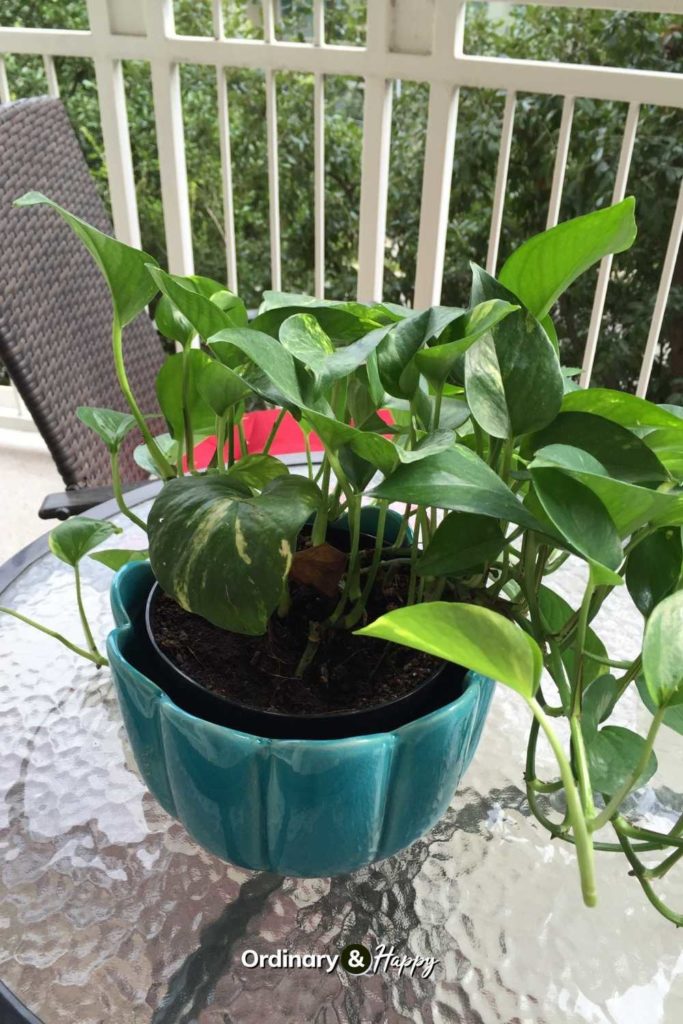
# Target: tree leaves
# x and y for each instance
(124, 269)
(476, 638)
(544, 266)
(223, 555)
(75, 537)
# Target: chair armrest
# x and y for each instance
(74, 502)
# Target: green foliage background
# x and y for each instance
(623, 40)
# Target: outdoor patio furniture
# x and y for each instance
(55, 310)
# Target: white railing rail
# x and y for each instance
(410, 40)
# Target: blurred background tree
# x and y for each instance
(605, 38)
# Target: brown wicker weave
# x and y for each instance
(55, 310)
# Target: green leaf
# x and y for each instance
(168, 448)
(621, 453)
(629, 505)
(663, 651)
(613, 754)
(477, 638)
(268, 355)
(253, 472)
(347, 359)
(513, 381)
(126, 270)
(343, 322)
(304, 338)
(397, 349)
(171, 323)
(205, 316)
(544, 267)
(169, 388)
(111, 426)
(599, 700)
(459, 480)
(225, 556)
(621, 407)
(673, 716)
(220, 387)
(654, 568)
(667, 444)
(74, 538)
(462, 541)
(578, 515)
(116, 558)
(437, 363)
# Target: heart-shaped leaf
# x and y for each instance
(599, 700)
(544, 267)
(663, 651)
(556, 613)
(126, 270)
(253, 472)
(109, 425)
(436, 363)
(579, 516)
(168, 448)
(620, 407)
(459, 480)
(172, 397)
(654, 568)
(397, 349)
(116, 558)
(513, 381)
(613, 754)
(223, 555)
(171, 323)
(673, 716)
(205, 316)
(75, 537)
(268, 355)
(220, 387)
(476, 638)
(462, 541)
(304, 338)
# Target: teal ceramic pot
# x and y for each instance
(311, 808)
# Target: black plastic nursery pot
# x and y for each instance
(441, 687)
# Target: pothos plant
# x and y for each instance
(503, 467)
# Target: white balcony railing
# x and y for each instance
(413, 40)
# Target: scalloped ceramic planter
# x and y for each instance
(311, 808)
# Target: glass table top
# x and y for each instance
(110, 912)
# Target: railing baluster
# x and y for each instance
(51, 76)
(375, 161)
(560, 168)
(226, 158)
(501, 181)
(272, 142)
(4, 84)
(168, 114)
(437, 173)
(662, 296)
(111, 94)
(319, 153)
(625, 154)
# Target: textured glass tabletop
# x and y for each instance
(110, 913)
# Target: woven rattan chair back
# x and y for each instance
(55, 309)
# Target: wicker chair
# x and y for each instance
(55, 310)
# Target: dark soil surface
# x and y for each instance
(348, 673)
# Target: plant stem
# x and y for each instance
(166, 470)
(220, 443)
(584, 845)
(661, 869)
(231, 437)
(118, 493)
(607, 661)
(187, 418)
(319, 530)
(639, 872)
(437, 408)
(273, 431)
(97, 659)
(243, 441)
(358, 609)
(613, 804)
(309, 460)
(89, 638)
